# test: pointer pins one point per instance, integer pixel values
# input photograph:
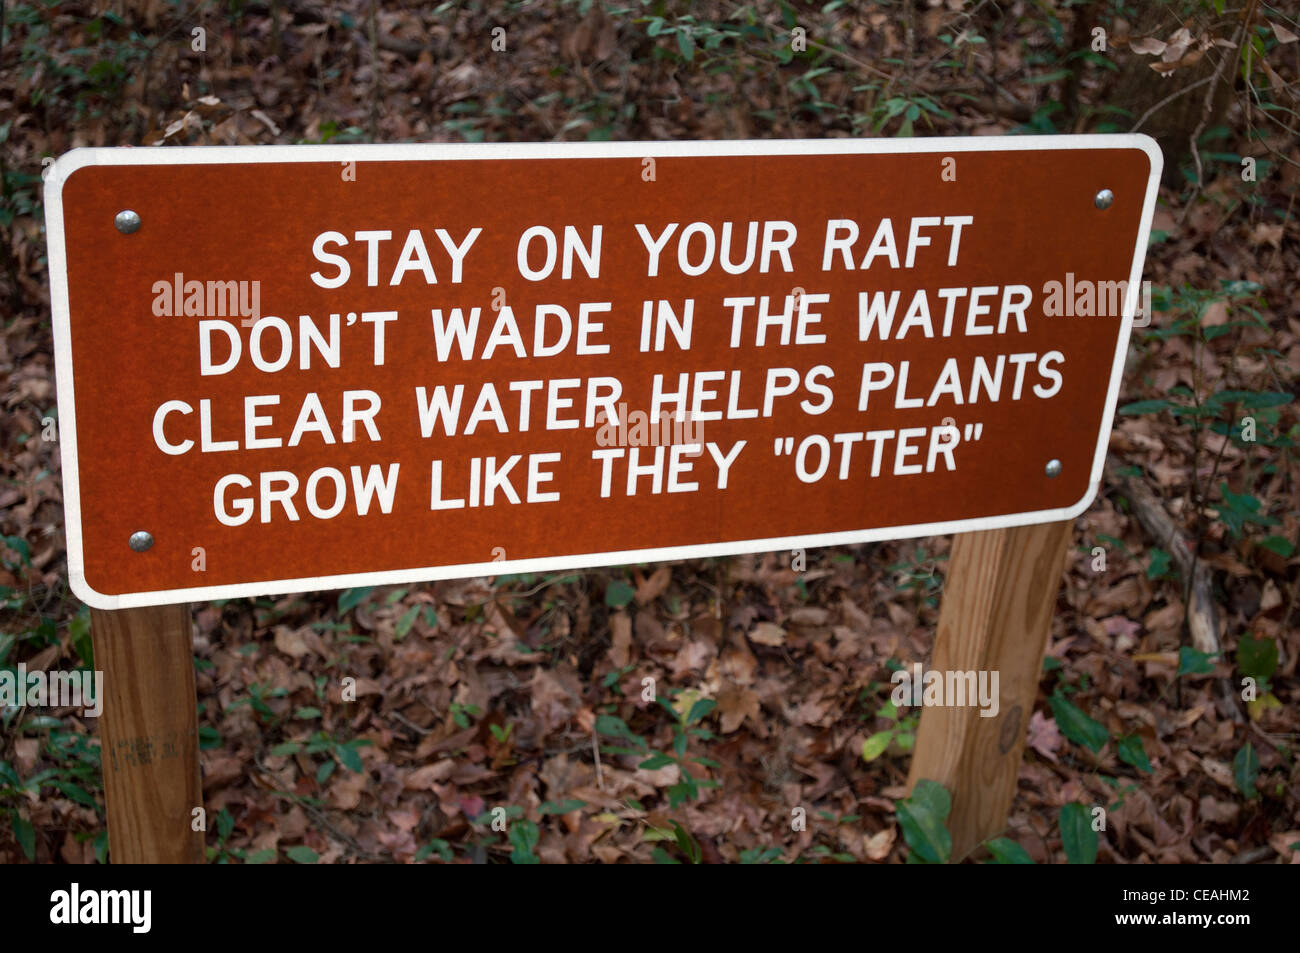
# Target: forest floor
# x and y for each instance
(474, 694)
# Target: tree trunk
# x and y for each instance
(1139, 88)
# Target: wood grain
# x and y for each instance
(998, 599)
(149, 733)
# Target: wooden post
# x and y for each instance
(148, 733)
(998, 599)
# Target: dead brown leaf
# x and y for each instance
(767, 633)
(735, 705)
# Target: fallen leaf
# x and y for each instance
(647, 590)
(1044, 736)
(1216, 314)
(694, 655)
(1266, 234)
(345, 789)
(1147, 45)
(423, 778)
(767, 633)
(734, 705)
(555, 696)
(290, 642)
(1283, 842)
(221, 769)
(26, 753)
(1120, 625)
(1271, 598)
(1220, 772)
(620, 632)
(878, 845)
(1218, 812)
(809, 615)
(1283, 35)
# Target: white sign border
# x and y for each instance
(205, 155)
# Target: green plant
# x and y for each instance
(1257, 659)
(436, 846)
(614, 676)
(901, 734)
(919, 573)
(523, 838)
(461, 714)
(686, 716)
(223, 826)
(686, 844)
(1078, 837)
(91, 76)
(761, 855)
(618, 594)
(1161, 565)
(911, 108)
(349, 599)
(1132, 751)
(1007, 851)
(1246, 417)
(1077, 726)
(73, 772)
(259, 700)
(922, 818)
(346, 753)
(1194, 662)
(1245, 771)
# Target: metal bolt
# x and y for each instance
(140, 541)
(1104, 199)
(1053, 468)
(127, 221)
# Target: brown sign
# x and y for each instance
(292, 368)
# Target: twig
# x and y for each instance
(595, 750)
(1250, 126)
(1253, 855)
(860, 64)
(1288, 740)
(1202, 616)
(545, 583)
(1202, 621)
(276, 40)
(1209, 106)
(967, 16)
(398, 716)
(317, 813)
